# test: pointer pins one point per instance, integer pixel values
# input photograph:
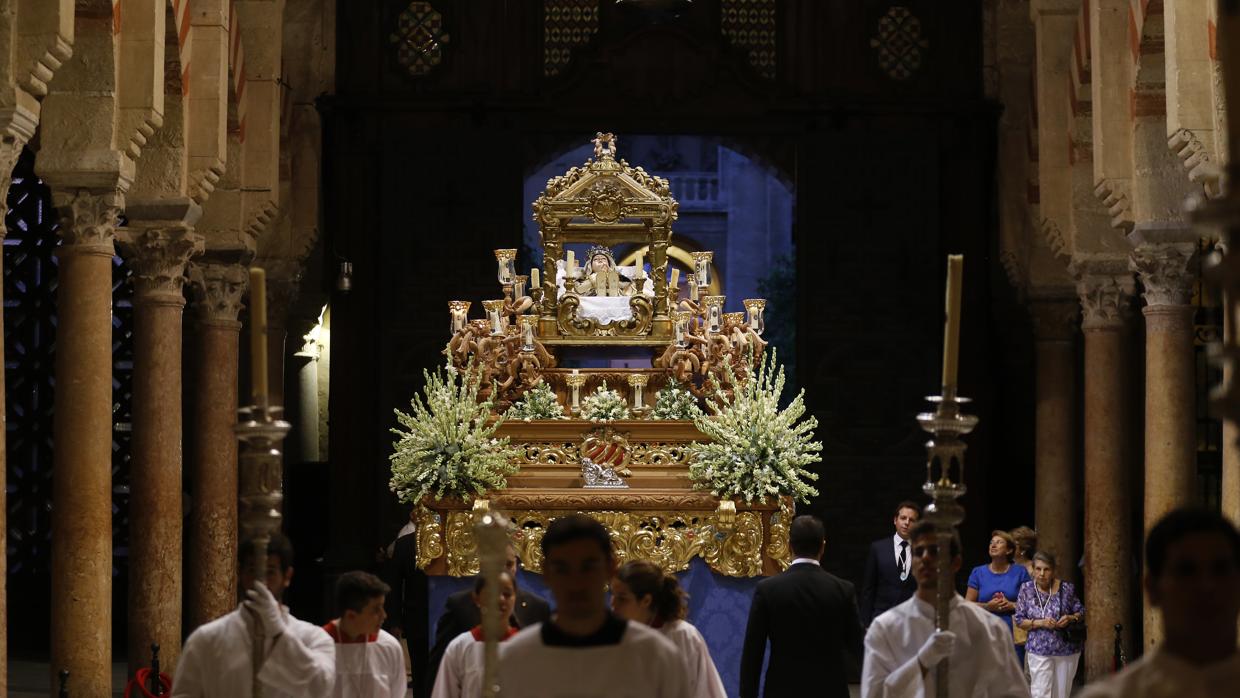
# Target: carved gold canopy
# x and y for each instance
(608, 202)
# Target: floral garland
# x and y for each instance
(604, 405)
(674, 402)
(756, 450)
(446, 447)
(539, 402)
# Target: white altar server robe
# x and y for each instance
(983, 662)
(1159, 674)
(215, 662)
(704, 681)
(642, 664)
(374, 669)
(460, 671)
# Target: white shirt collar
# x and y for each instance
(927, 609)
(806, 560)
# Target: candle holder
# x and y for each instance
(505, 261)
(945, 485)
(638, 381)
(458, 311)
(756, 307)
(714, 312)
(495, 315)
(527, 323)
(575, 382)
(491, 533)
(506, 289)
(694, 292)
(260, 432)
(681, 318)
(701, 267)
(1221, 217)
(519, 283)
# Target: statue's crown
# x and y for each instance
(603, 250)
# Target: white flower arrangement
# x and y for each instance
(756, 450)
(446, 447)
(604, 405)
(674, 402)
(539, 402)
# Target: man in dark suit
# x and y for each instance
(887, 581)
(809, 616)
(460, 614)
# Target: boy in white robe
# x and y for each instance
(300, 660)
(585, 651)
(369, 661)
(461, 670)
(903, 649)
(1193, 577)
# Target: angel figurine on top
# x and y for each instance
(602, 278)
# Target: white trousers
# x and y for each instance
(1051, 677)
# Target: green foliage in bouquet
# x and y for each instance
(446, 447)
(539, 402)
(674, 402)
(757, 450)
(604, 405)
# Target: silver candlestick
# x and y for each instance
(945, 485)
(260, 431)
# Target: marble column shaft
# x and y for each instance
(81, 569)
(1108, 508)
(157, 253)
(211, 446)
(1166, 272)
(1055, 323)
(1230, 482)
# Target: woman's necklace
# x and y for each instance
(1043, 601)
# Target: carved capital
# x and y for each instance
(88, 218)
(283, 285)
(1105, 291)
(1055, 319)
(217, 290)
(157, 254)
(1167, 272)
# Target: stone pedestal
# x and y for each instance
(81, 618)
(211, 446)
(1055, 323)
(1109, 585)
(157, 253)
(1165, 259)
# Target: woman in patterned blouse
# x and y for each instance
(1046, 607)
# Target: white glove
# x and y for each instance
(263, 604)
(937, 647)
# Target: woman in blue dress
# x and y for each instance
(996, 585)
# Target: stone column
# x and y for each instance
(82, 485)
(157, 252)
(307, 426)
(211, 446)
(1230, 481)
(1165, 258)
(1055, 323)
(1108, 529)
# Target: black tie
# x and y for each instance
(903, 556)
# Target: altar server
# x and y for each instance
(1193, 578)
(585, 651)
(461, 670)
(643, 593)
(903, 650)
(369, 661)
(300, 659)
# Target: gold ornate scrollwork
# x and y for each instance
(462, 548)
(430, 544)
(653, 453)
(730, 542)
(549, 454)
(777, 546)
(573, 325)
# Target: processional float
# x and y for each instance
(541, 384)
